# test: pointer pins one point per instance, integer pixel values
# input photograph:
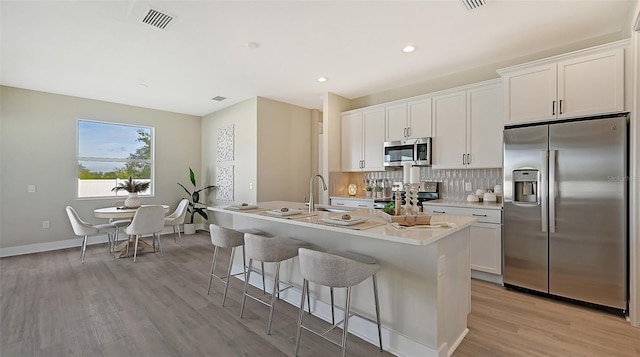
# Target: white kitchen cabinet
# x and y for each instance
(583, 84)
(409, 120)
(362, 140)
(486, 237)
(348, 202)
(467, 128)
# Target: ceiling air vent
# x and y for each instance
(219, 98)
(157, 19)
(473, 4)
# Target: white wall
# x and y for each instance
(38, 141)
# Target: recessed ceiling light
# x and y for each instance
(142, 85)
(408, 49)
(322, 79)
(253, 45)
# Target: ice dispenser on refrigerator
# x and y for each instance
(525, 186)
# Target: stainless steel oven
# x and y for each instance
(417, 151)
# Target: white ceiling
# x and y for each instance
(100, 50)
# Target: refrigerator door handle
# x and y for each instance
(552, 190)
(542, 189)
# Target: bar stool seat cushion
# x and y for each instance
(334, 270)
(224, 237)
(270, 250)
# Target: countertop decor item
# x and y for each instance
(352, 189)
(194, 198)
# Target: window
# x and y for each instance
(108, 153)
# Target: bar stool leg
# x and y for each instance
(213, 266)
(276, 292)
(345, 326)
(333, 313)
(264, 286)
(375, 295)
(226, 283)
(305, 287)
(246, 286)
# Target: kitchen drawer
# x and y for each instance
(483, 215)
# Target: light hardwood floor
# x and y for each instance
(51, 305)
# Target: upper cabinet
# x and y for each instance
(467, 128)
(363, 134)
(583, 83)
(408, 120)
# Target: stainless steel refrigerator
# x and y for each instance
(565, 210)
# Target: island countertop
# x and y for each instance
(377, 227)
(424, 281)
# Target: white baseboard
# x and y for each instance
(70, 243)
(492, 278)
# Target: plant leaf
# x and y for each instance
(192, 176)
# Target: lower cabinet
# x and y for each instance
(486, 239)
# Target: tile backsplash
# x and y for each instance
(452, 181)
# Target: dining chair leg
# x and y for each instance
(246, 287)
(179, 235)
(213, 267)
(83, 248)
(135, 249)
(159, 243)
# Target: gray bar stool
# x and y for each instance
(268, 250)
(229, 238)
(337, 270)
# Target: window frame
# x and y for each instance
(115, 195)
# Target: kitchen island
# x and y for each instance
(424, 281)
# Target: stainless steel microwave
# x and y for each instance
(416, 151)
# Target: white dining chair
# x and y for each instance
(84, 229)
(147, 220)
(177, 218)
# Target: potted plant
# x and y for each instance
(368, 191)
(133, 187)
(195, 206)
(379, 193)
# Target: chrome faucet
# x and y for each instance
(324, 187)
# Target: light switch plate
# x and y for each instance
(31, 188)
(467, 186)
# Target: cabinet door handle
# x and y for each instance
(479, 215)
(339, 204)
(553, 108)
(560, 106)
(464, 159)
(434, 211)
(468, 159)
(362, 205)
(409, 132)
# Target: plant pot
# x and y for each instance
(379, 194)
(189, 228)
(133, 201)
(368, 193)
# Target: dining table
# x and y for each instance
(121, 212)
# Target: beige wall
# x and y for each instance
(38, 140)
(272, 150)
(243, 117)
(284, 151)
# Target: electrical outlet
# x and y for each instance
(467, 186)
(441, 266)
(251, 185)
(31, 188)
(45, 224)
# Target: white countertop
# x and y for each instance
(414, 235)
(464, 204)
